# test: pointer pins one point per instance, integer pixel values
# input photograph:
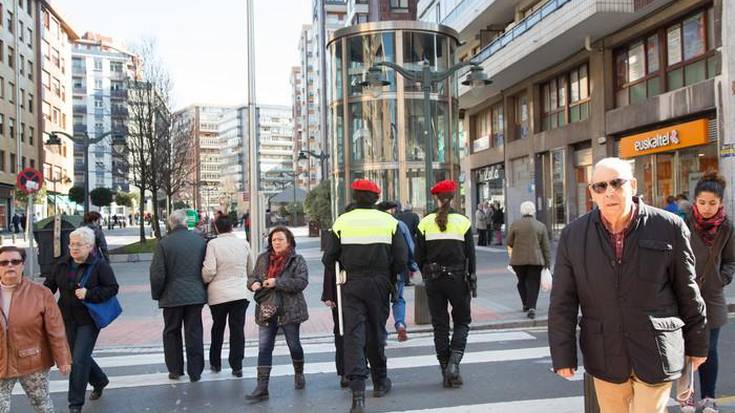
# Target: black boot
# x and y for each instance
(261, 390)
(358, 401)
(344, 381)
(455, 380)
(299, 380)
(381, 387)
(445, 381)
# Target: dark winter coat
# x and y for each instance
(289, 285)
(640, 314)
(99, 240)
(101, 286)
(176, 269)
(718, 275)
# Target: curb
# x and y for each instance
(123, 258)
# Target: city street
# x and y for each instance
(504, 369)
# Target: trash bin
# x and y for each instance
(44, 235)
(313, 229)
(421, 313)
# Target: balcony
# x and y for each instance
(80, 128)
(118, 94)
(553, 32)
(80, 90)
(120, 130)
(80, 108)
(121, 112)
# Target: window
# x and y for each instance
(11, 57)
(22, 98)
(21, 31)
(98, 64)
(30, 102)
(98, 84)
(565, 99)
(579, 98)
(2, 51)
(12, 92)
(498, 125)
(2, 87)
(116, 67)
(23, 162)
(30, 70)
(45, 18)
(46, 51)
(30, 38)
(2, 160)
(481, 132)
(553, 95)
(10, 22)
(30, 135)
(29, 7)
(22, 132)
(13, 167)
(56, 57)
(46, 80)
(2, 124)
(399, 4)
(11, 127)
(520, 116)
(33, 163)
(22, 68)
(57, 87)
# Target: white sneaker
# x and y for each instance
(687, 409)
(709, 406)
(688, 406)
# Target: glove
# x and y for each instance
(472, 280)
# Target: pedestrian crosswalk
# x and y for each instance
(506, 371)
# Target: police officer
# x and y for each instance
(445, 252)
(370, 249)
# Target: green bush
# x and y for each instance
(318, 205)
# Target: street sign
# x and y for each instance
(192, 218)
(29, 180)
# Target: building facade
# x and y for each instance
(275, 148)
(101, 73)
(633, 79)
(20, 137)
(57, 38)
(233, 130)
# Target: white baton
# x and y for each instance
(339, 280)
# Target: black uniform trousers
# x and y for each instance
(453, 290)
(366, 307)
(191, 318)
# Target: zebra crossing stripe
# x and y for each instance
(395, 363)
(145, 359)
(556, 405)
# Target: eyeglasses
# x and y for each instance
(601, 187)
(77, 244)
(14, 263)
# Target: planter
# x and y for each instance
(313, 229)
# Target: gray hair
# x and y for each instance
(408, 207)
(528, 209)
(177, 218)
(85, 234)
(623, 167)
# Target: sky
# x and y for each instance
(203, 43)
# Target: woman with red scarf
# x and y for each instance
(278, 280)
(713, 243)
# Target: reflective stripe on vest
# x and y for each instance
(364, 227)
(457, 226)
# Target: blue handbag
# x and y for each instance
(102, 313)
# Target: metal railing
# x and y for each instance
(515, 32)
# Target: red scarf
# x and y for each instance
(276, 263)
(707, 227)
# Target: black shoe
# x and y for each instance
(237, 373)
(194, 379)
(344, 381)
(445, 380)
(96, 394)
(215, 369)
(382, 388)
(531, 313)
(174, 376)
(358, 402)
(525, 308)
(452, 374)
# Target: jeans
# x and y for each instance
(84, 369)
(708, 370)
(232, 313)
(399, 307)
(267, 340)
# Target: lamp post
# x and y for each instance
(427, 79)
(84, 140)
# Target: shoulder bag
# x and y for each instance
(102, 313)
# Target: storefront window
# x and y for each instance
(498, 125)
(521, 116)
(693, 164)
(664, 178)
(643, 172)
(583, 177)
(559, 216)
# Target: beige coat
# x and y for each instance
(227, 265)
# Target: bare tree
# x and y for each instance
(149, 94)
(174, 149)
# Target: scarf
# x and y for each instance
(276, 262)
(707, 227)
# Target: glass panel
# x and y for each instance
(339, 134)
(673, 44)
(573, 86)
(415, 130)
(498, 125)
(546, 123)
(584, 111)
(638, 93)
(373, 131)
(583, 83)
(695, 72)
(558, 195)
(713, 66)
(622, 97)
(654, 86)
(336, 71)
(420, 47)
(553, 104)
(675, 79)
(562, 85)
(387, 180)
(652, 53)
(693, 29)
(562, 119)
(546, 97)
(636, 62)
(621, 68)
(417, 190)
(710, 28)
(583, 175)
(363, 52)
(664, 178)
(574, 114)
(693, 163)
(643, 172)
(554, 121)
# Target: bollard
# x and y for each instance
(12, 237)
(421, 313)
(590, 397)
(1, 239)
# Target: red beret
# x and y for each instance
(443, 187)
(365, 185)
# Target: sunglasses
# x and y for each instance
(15, 263)
(601, 187)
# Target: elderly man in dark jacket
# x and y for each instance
(176, 283)
(630, 268)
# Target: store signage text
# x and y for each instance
(683, 135)
(490, 173)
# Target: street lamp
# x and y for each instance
(427, 79)
(84, 140)
(321, 156)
